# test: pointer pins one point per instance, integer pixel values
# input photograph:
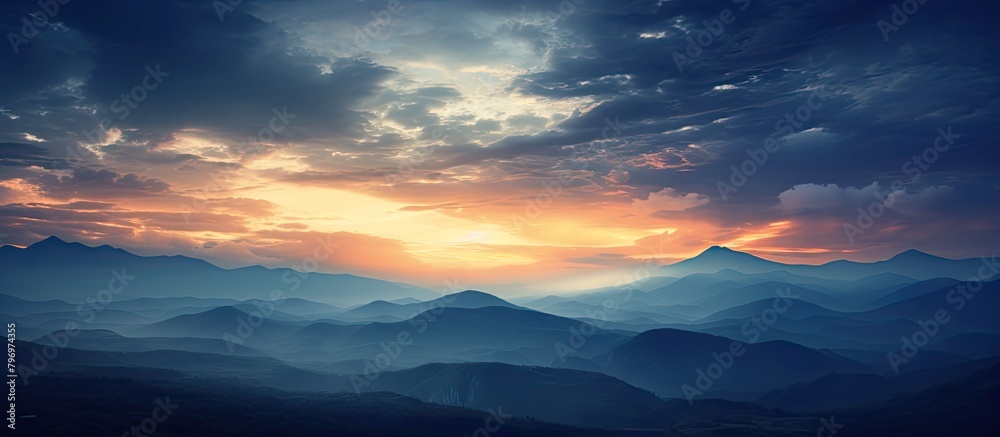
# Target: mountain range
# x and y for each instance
(725, 343)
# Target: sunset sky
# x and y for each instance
(515, 145)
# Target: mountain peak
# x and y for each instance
(721, 249)
(50, 241)
(472, 293)
(54, 244)
(914, 254)
(473, 299)
(223, 311)
(717, 258)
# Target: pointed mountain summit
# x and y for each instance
(51, 241)
(54, 243)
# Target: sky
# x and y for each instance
(514, 145)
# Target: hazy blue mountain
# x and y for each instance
(278, 315)
(218, 407)
(716, 258)
(621, 297)
(977, 314)
(376, 309)
(913, 290)
(841, 390)
(84, 271)
(257, 370)
(213, 324)
(799, 331)
(964, 408)
(881, 281)
(542, 303)
(161, 308)
(728, 297)
(699, 285)
(568, 361)
(21, 307)
(912, 264)
(467, 299)
(664, 360)
(685, 312)
(104, 340)
(876, 359)
(645, 284)
(553, 395)
(563, 395)
(796, 309)
(406, 300)
(834, 293)
(972, 345)
(300, 307)
(168, 303)
(221, 406)
(463, 299)
(107, 316)
(579, 310)
(454, 334)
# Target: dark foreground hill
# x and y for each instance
(75, 406)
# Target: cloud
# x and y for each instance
(830, 197)
(806, 197)
(669, 199)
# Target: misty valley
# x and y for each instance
(725, 343)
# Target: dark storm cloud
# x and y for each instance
(103, 183)
(413, 109)
(884, 103)
(887, 99)
(223, 76)
(22, 155)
